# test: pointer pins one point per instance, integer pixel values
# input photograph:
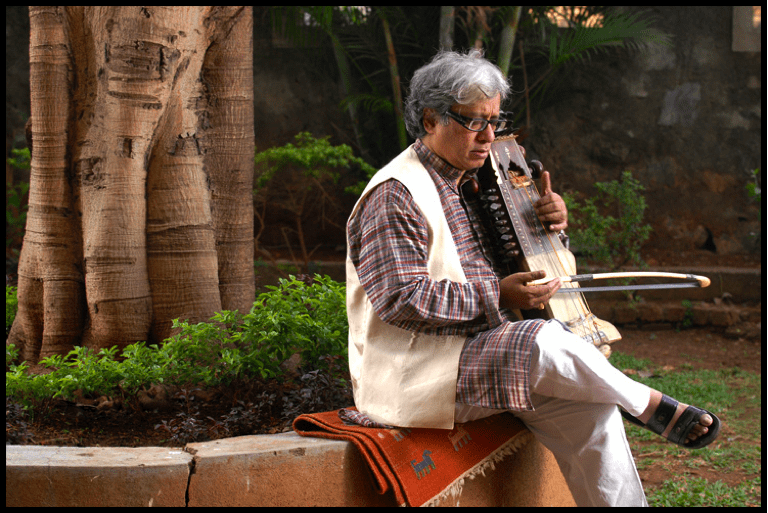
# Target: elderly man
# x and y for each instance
(433, 337)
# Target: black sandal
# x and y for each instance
(687, 420)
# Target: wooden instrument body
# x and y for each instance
(509, 194)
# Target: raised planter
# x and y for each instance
(257, 470)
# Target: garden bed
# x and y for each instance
(175, 416)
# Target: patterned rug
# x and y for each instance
(422, 466)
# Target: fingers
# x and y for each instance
(552, 212)
(551, 208)
(539, 295)
(517, 293)
(546, 184)
(533, 276)
(559, 226)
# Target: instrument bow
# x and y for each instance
(690, 281)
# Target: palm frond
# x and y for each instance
(368, 102)
(617, 29)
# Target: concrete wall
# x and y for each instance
(685, 119)
(258, 470)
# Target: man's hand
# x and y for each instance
(551, 208)
(514, 293)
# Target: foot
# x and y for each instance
(700, 429)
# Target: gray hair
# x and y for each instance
(451, 78)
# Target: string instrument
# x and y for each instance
(508, 194)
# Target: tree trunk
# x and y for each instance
(508, 33)
(140, 207)
(447, 23)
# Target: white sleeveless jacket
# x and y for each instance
(399, 377)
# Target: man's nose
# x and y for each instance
(488, 134)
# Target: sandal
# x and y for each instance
(687, 420)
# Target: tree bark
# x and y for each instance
(140, 206)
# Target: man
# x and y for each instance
(433, 339)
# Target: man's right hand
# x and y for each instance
(514, 293)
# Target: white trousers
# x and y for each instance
(575, 391)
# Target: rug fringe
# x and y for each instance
(457, 486)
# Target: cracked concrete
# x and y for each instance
(256, 470)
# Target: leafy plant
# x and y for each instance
(687, 321)
(11, 306)
(186, 427)
(754, 190)
(614, 29)
(16, 425)
(15, 210)
(322, 389)
(609, 240)
(315, 164)
(308, 318)
(295, 317)
(21, 158)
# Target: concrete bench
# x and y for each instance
(257, 470)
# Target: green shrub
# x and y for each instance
(293, 317)
(11, 306)
(317, 159)
(608, 240)
(310, 319)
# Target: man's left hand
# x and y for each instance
(551, 208)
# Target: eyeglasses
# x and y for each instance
(479, 124)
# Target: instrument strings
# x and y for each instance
(586, 329)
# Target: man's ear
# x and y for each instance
(430, 120)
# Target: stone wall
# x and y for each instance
(685, 119)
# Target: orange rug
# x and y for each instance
(423, 466)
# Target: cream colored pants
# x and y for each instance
(575, 391)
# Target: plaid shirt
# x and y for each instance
(388, 244)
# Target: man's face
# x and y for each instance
(462, 148)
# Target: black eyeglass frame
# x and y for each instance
(501, 123)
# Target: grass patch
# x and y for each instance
(734, 395)
(698, 492)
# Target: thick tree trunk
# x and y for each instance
(140, 205)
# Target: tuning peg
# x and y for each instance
(471, 186)
(536, 169)
(495, 210)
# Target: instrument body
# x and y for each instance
(509, 194)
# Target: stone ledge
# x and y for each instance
(256, 470)
(674, 314)
(95, 476)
